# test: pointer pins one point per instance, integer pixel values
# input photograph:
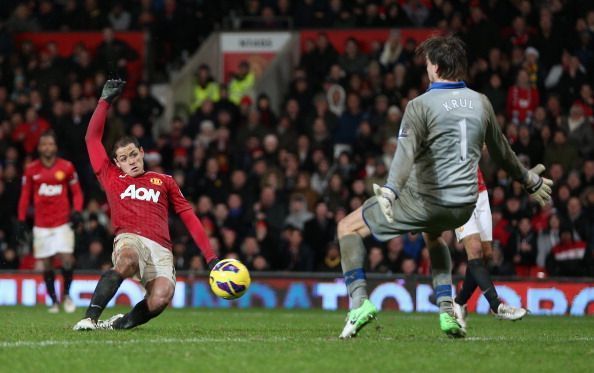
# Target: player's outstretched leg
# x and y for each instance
(441, 271)
(351, 229)
(67, 274)
(106, 288)
(126, 265)
(159, 294)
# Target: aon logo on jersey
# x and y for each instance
(50, 190)
(142, 194)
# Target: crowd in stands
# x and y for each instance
(270, 186)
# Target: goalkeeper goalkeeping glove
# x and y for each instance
(538, 186)
(385, 198)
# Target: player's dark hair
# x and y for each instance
(448, 53)
(49, 133)
(122, 142)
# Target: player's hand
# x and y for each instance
(76, 219)
(212, 263)
(112, 89)
(386, 198)
(20, 231)
(538, 186)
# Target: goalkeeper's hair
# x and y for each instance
(124, 141)
(448, 53)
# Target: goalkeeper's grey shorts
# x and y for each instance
(413, 214)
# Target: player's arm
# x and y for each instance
(191, 221)
(502, 153)
(97, 153)
(77, 198)
(25, 198)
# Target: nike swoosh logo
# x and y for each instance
(122, 176)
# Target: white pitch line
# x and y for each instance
(50, 342)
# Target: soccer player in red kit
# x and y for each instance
(476, 235)
(48, 179)
(139, 202)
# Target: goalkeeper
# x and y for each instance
(432, 183)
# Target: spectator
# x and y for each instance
(242, 83)
(119, 18)
(413, 244)
(94, 258)
(146, 107)
(206, 88)
(561, 152)
(9, 259)
(28, 132)
(298, 213)
(297, 255)
(580, 130)
(567, 257)
(522, 99)
(113, 54)
(353, 61)
(547, 239)
(331, 260)
(375, 260)
(522, 249)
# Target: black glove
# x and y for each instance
(112, 89)
(76, 219)
(20, 230)
(213, 263)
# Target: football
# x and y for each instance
(229, 279)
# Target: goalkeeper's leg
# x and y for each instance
(441, 271)
(351, 231)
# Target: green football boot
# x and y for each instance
(450, 326)
(358, 318)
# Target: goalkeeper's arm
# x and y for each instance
(501, 152)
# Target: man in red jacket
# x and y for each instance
(48, 180)
(139, 202)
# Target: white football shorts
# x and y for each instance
(153, 259)
(480, 221)
(48, 242)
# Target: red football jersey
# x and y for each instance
(482, 186)
(140, 205)
(49, 186)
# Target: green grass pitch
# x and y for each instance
(258, 340)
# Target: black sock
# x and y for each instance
(67, 274)
(139, 315)
(49, 277)
(468, 288)
(108, 284)
(483, 279)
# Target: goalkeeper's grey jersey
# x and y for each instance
(440, 141)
